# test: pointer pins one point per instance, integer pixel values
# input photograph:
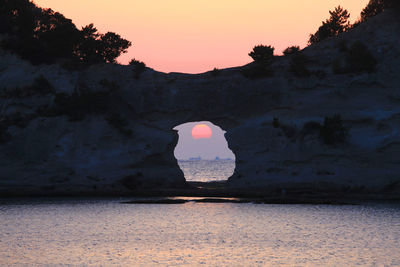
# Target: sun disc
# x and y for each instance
(201, 131)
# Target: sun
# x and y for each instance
(201, 131)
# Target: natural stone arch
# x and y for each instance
(219, 144)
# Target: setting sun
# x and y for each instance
(201, 131)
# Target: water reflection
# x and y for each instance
(106, 232)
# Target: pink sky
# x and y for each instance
(195, 36)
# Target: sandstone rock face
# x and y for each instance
(103, 130)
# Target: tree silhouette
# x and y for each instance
(336, 24)
(262, 53)
(44, 36)
(376, 7)
(51, 30)
(373, 8)
(291, 50)
(112, 46)
(333, 131)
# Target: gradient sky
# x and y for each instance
(206, 148)
(195, 36)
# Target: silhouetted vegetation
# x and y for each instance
(262, 53)
(40, 86)
(110, 85)
(81, 103)
(215, 72)
(298, 65)
(275, 123)
(260, 68)
(119, 123)
(360, 59)
(333, 131)
(138, 67)
(373, 8)
(336, 24)
(376, 7)
(45, 36)
(357, 59)
(291, 50)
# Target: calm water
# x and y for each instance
(207, 170)
(105, 232)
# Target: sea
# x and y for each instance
(202, 170)
(110, 232)
(107, 232)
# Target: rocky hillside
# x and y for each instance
(108, 129)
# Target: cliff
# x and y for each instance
(108, 129)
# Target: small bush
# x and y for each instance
(111, 85)
(291, 50)
(139, 67)
(357, 59)
(80, 104)
(333, 131)
(215, 72)
(275, 123)
(40, 87)
(298, 65)
(262, 53)
(119, 123)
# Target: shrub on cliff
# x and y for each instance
(40, 87)
(336, 24)
(360, 59)
(291, 50)
(333, 131)
(373, 8)
(215, 72)
(260, 68)
(81, 103)
(357, 59)
(138, 67)
(376, 7)
(262, 53)
(119, 123)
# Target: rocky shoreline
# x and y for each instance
(220, 192)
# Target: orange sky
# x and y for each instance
(195, 36)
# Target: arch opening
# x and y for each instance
(202, 152)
